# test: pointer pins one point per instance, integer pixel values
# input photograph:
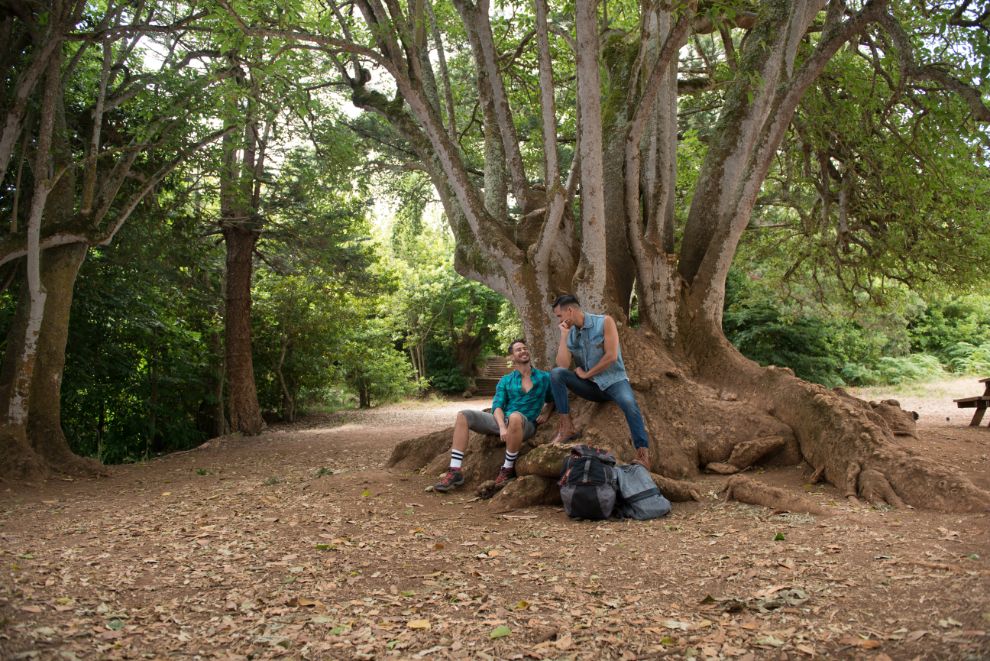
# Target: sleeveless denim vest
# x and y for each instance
(587, 346)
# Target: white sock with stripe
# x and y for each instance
(510, 459)
(456, 459)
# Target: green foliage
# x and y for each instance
(139, 366)
(902, 369)
(844, 346)
(805, 344)
(831, 351)
(875, 188)
(946, 326)
(324, 272)
(452, 321)
(369, 363)
(967, 358)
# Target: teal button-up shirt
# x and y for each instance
(510, 396)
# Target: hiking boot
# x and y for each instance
(505, 475)
(452, 479)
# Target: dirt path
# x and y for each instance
(298, 544)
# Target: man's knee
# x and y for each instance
(516, 420)
(626, 401)
(558, 374)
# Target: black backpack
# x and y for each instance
(588, 483)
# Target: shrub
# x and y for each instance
(913, 367)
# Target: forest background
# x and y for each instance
(169, 116)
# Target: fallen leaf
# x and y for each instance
(501, 631)
(862, 643)
(418, 624)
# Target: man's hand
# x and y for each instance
(643, 457)
(503, 433)
(581, 372)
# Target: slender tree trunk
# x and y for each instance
(288, 396)
(242, 395)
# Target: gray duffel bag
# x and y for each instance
(639, 498)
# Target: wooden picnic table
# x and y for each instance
(979, 402)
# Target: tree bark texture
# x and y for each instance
(244, 413)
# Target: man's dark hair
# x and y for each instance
(565, 301)
(513, 343)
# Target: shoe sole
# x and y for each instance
(451, 487)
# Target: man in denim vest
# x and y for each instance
(592, 340)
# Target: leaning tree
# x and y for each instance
(94, 117)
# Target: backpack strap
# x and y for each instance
(643, 495)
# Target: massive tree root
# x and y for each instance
(21, 462)
(729, 415)
(848, 442)
(748, 490)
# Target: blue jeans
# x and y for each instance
(562, 380)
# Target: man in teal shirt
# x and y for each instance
(516, 410)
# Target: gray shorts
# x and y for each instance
(484, 423)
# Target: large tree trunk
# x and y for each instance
(59, 270)
(41, 445)
(705, 405)
(242, 396)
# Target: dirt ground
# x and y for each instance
(298, 544)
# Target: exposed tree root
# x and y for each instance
(678, 491)
(746, 490)
(850, 442)
(538, 459)
(887, 414)
(746, 454)
(527, 491)
(20, 461)
(877, 490)
(64, 461)
(413, 454)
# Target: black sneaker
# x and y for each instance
(452, 479)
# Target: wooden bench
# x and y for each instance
(980, 403)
